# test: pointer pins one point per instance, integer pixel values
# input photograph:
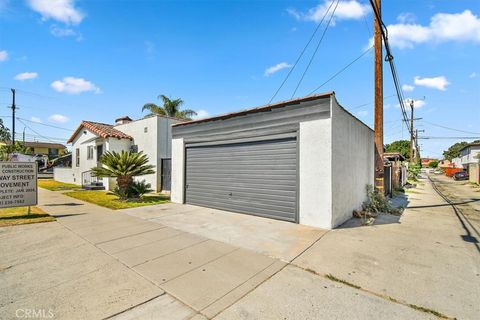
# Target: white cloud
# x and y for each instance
(59, 10)
(443, 27)
(362, 113)
(407, 88)
(60, 32)
(439, 83)
(346, 10)
(3, 55)
(26, 76)
(276, 68)
(58, 118)
(472, 75)
(35, 119)
(73, 85)
(201, 114)
(406, 17)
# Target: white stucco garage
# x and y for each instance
(305, 160)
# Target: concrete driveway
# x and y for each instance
(185, 262)
(274, 238)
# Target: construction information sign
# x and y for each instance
(18, 184)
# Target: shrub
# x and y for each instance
(134, 190)
(139, 188)
(414, 171)
(377, 203)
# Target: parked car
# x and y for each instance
(460, 175)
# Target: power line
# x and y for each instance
(20, 134)
(300, 56)
(449, 138)
(343, 69)
(316, 49)
(369, 103)
(42, 124)
(389, 58)
(448, 128)
(35, 131)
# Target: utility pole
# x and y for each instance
(417, 147)
(412, 106)
(378, 99)
(13, 117)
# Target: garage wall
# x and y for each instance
(267, 124)
(352, 163)
(178, 170)
(315, 179)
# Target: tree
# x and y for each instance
(400, 146)
(4, 132)
(433, 164)
(8, 149)
(170, 108)
(123, 166)
(454, 150)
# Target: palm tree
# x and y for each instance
(123, 166)
(170, 108)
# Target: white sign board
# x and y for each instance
(18, 184)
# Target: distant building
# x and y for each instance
(426, 162)
(469, 161)
(467, 156)
(52, 150)
(445, 163)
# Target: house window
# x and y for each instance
(134, 148)
(52, 152)
(77, 157)
(89, 152)
(145, 129)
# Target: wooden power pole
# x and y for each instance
(13, 116)
(378, 99)
(412, 106)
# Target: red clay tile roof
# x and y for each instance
(100, 129)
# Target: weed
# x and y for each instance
(333, 278)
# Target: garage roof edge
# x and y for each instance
(258, 109)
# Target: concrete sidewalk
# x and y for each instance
(422, 259)
(98, 263)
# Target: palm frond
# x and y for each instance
(125, 163)
(153, 108)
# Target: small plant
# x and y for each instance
(414, 171)
(136, 190)
(376, 204)
(139, 188)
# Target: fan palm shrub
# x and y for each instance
(123, 166)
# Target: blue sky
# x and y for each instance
(96, 60)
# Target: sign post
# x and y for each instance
(18, 184)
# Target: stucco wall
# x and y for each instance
(146, 142)
(155, 143)
(63, 175)
(352, 163)
(178, 170)
(315, 178)
(84, 139)
(117, 145)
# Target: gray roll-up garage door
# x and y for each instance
(258, 178)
